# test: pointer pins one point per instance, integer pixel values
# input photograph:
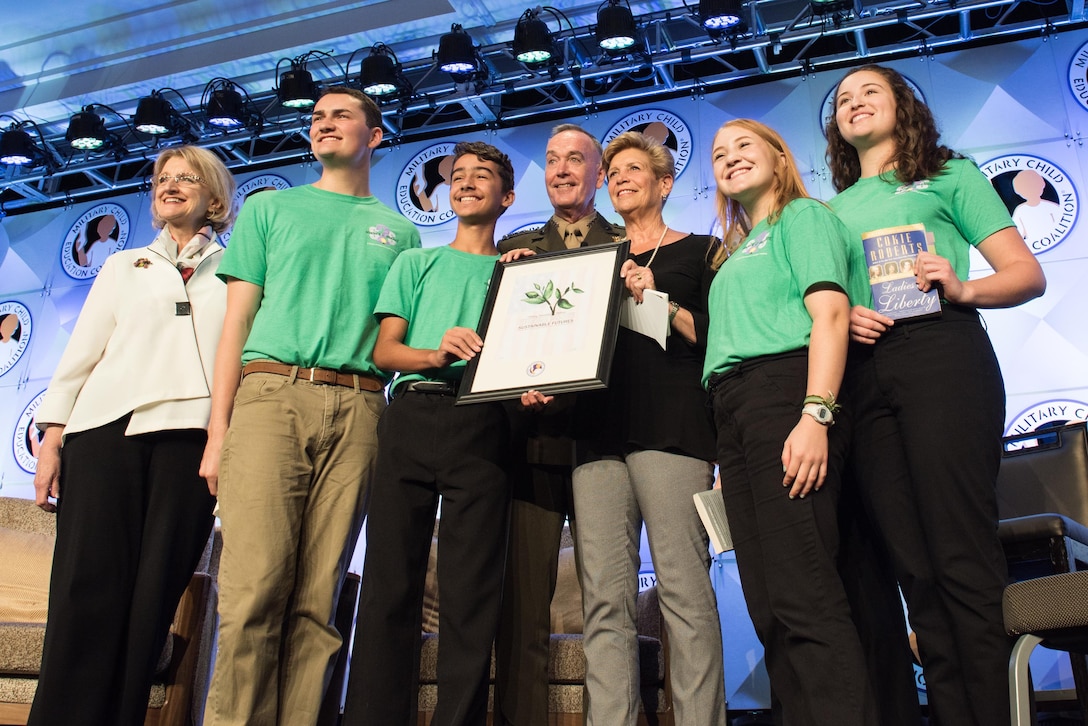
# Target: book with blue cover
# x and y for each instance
(890, 255)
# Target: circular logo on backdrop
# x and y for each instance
(1048, 414)
(1078, 75)
(668, 128)
(1039, 196)
(423, 188)
(97, 234)
(28, 439)
(827, 108)
(15, 324)
(262, 183)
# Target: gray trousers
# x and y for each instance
(613, 497)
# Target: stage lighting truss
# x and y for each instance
(669, 54)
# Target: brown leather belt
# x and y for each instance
(315, 375)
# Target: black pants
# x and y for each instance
(542, 500)
(929, 404)
(133, 518)
(786, 549)
(428, 448)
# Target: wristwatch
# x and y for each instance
(820, 412)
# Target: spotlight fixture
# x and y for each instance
(225, 109)
(16, 147)
(155, 115)
(456, 54)
(380, 74)
(831, 7)
(227, 106)
(616, 29)
(533, 43)
(296, 87)
(87, 130)
(720, 16)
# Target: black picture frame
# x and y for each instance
(549, 324)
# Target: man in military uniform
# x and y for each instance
(543, 451)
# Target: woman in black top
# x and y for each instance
(644, 447)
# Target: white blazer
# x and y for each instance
(144, 343)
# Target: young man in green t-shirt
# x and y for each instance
(295, 405)
(429, 308)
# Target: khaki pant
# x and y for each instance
(293, 487)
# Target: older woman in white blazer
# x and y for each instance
(124, 423)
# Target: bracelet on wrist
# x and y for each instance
(829, 401)
(674, 308)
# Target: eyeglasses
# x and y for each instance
(183, 180)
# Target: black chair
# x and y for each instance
(1052, 611)
(1042, 496)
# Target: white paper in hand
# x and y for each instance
(650, 317)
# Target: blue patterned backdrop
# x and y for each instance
(1012, 106)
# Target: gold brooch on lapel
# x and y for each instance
(142, 262)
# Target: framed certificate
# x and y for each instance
(549, 324)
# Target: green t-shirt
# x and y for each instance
(757, 300)
(958, 206)
(320, 258)
(436, 289)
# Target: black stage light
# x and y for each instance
(379, 74)
(296, 87)
(224, 107)
(86, 130)
(155, 115)
(830, 7)
(533, 43)
(456, 54)
(719, 16)
(616, 29)
(16, 147)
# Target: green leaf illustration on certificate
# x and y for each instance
(543, 296)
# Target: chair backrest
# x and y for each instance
(1050, 476)
(25, 516)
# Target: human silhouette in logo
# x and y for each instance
(97, 247)
(10, 328)
(1035, 215)
(436, 172)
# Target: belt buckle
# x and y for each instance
(321, 375)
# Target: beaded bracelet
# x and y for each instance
(829, 401)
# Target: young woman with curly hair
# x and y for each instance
(926, 394)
